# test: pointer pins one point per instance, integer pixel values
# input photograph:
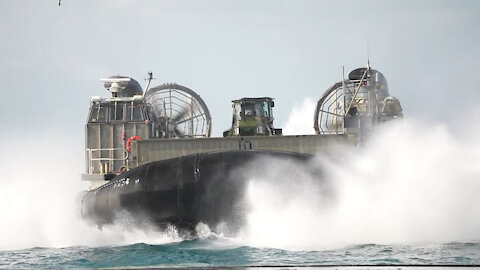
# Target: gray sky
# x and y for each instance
(51, 57)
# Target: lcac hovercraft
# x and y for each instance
(150, 156)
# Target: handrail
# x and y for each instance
(110, 154)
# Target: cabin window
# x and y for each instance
(247, 109)
(137, 114)
(134, 112)
(118, 111)
(127, 112)
(258, 109)
(266, 109)
(102, 113)
(98, 113)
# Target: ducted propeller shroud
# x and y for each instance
(178, 112)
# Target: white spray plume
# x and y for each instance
(40, 199)
(413, 182)
(300, 121)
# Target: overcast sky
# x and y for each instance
(51, 56)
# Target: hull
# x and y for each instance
(183, 191)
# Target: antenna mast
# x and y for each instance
(149, 80)
(368, 56)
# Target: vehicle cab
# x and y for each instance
(252, 117)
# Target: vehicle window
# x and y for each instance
(265, 109)
(258, 109)
(247, 109)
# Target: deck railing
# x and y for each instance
(105, 157)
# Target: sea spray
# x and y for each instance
(411, 182)
(300, 120)
(40, 199)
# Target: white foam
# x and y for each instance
(40, 199)
(300, 120)
(413, 182)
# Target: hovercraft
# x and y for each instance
(150, 155)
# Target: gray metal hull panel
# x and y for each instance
(204, 188)
(146, 151)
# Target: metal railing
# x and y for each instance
(105, 157)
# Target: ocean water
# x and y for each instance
(408, 197)
(207, 253)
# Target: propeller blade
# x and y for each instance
(181, 115)
(179, 133)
